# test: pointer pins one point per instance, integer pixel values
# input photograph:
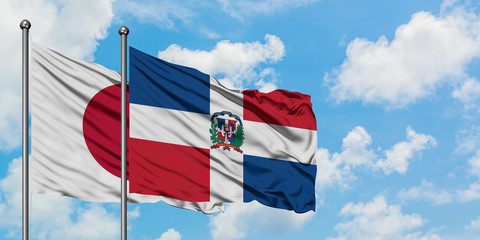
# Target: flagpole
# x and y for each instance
(123, 31)
(25, 26)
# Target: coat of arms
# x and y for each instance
(226, 131)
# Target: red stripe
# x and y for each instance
(170, 170)
(279, 107)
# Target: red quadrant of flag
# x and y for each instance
(279, 107)
(170, 170)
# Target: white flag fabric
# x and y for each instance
(75, 131)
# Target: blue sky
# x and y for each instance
(395, 88)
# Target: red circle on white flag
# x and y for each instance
(101, 128)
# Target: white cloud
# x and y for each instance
(190, 13)
(357, 152)
(473, 226)
(377, 220)
(471, 231)
(448, 5)
(243, 68)
(425, 191)
(331, 171)
(420, 236)
(170, 234)
(468, 94)
(411, 66)
(92, 222)
(241, 220)
(69, 26)
(164, 13)
(53, 217)
(470, 194)
(468, 140)
(11, 196)
(133, 213)
(398, 157)
(337, 168)
(263, 86)
(242, 9)
(474, 163)
(267, 80)
(197, 16)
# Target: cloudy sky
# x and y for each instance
(395, 87)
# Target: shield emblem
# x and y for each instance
(226, 131)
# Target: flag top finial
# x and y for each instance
(26, 24)
(123, 30)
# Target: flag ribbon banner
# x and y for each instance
(194, 140)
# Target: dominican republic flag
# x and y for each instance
(194, 140)
(75, 132)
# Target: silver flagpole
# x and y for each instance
(123, 31)
(25, 26)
